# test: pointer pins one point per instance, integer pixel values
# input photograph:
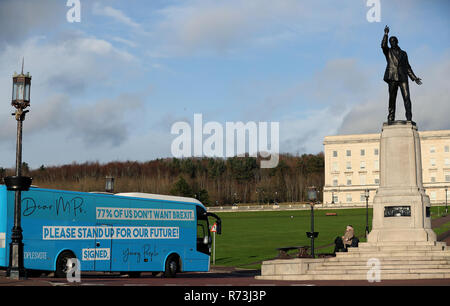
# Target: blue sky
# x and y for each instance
(110, 87)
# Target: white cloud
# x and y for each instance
(218, 25)
(124, 41)
(430, 102)
(210, 26)
(304, 132)
(116, 14)
(61, 71)
(67, 65)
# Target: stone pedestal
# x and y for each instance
(401, 209)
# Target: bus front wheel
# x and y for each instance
(62, 264)
(172, 266)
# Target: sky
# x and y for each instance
(109, 88)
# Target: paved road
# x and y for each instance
(217, 277)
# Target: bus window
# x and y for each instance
(203, 238)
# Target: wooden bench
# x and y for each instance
(302, 252)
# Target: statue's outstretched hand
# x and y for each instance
(386, 30)
(418, 81)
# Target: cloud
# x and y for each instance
(116, 14)
(19, 17)
(217, 25)
(222, 27)
(99, 123)
(304, 132)
(104, 122)
(430, 102)
(124, 41)
(68, 65)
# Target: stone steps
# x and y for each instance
(384, 258)
(382, 267)
(397, 243)
(362, 276)
(397, 261)
(405, 254)
(387, 263)
(382, 271)
(397, 248)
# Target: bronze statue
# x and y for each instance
(396, 74)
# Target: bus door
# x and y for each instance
(103, 248)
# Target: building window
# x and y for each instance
(377, 181)
(363, 152)
(335, 181)
(349, 153)
(335, 199)
(362, 198)
(376, 165)
(432, 162)
(447, 149)
(447, 176)
(334, 153)
(362, 165)
(432, 149)
(335, 167)
(349, 166)
(349, 181)
(362, 179)
(375, 152)
(447, 161)
(349, 197)
(433, 179)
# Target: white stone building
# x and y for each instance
(352, 166)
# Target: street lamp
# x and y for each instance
(109, 184)
(312, 197)
(367, 194)
(18, 183)
(446, 207)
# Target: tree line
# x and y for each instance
(214, 181)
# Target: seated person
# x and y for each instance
(348, 240)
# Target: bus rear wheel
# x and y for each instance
(62, 264)
(172, 266)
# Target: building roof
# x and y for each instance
(359, 138)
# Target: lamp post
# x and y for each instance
(312, 197)
(18, 183)
(367, 194)
(446, 207)
(109, 184)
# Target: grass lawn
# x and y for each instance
(248, 238)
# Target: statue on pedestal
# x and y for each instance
(396, 74)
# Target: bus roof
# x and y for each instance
(159, 197)
(134, 195)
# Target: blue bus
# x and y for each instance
(125, 232)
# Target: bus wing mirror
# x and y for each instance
(206, 240)
(219, 227)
